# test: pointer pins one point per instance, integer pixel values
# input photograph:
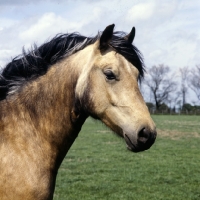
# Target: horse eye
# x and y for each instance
(110, 75)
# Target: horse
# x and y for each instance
(48, 92)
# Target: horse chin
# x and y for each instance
(135, 146)
(130, 145)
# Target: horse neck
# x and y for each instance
(44, 108)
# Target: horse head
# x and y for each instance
(107, 89)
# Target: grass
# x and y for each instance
(98, 166)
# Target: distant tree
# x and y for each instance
(160, 84)
(174, 109)
(164, 107)
(197, 109)
(187, 107)
(150, 106)
(194, 80)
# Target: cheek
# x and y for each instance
(98, 94)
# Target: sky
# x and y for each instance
(167, 32)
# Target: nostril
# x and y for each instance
(144, 135)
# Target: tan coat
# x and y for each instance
(39, 122)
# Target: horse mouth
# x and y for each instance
(130, 145)
(135, 147)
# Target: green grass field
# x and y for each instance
(98, 166)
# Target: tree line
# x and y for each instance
(168, 92)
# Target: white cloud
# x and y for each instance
(23, 32)
(25, 2)
(152, 13)
(163, 28)
(47, 25)
(141, 11)
(167, 32)
(4, 22)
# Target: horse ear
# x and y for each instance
(106, 36)
(130, 37)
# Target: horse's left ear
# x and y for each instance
(106, 36)
(130, 37)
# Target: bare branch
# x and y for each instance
(194, 80)
(160, 84)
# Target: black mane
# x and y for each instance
(38, 60)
